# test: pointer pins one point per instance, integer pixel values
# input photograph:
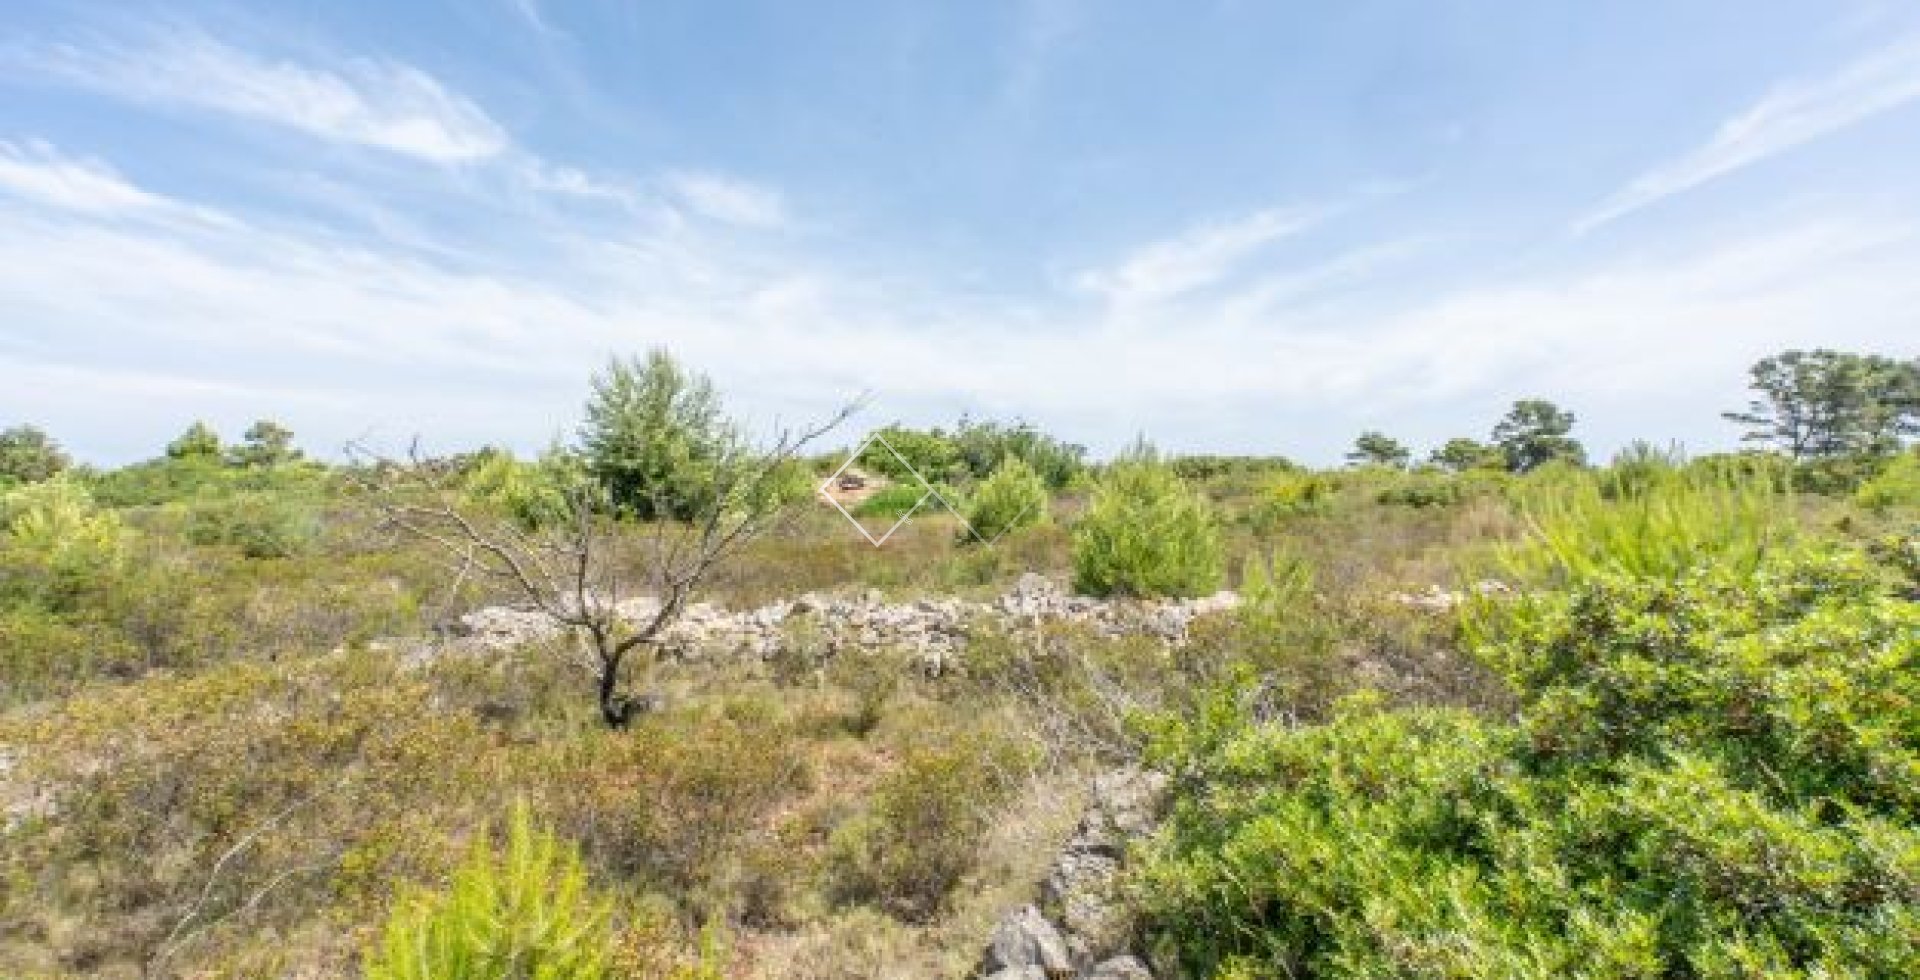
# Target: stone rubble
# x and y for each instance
(1084, 910)
(1439, 601)
(935, 629)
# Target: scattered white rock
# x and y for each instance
(1082, 891)
(933, 629)
(1025, 940)
(1435, 599)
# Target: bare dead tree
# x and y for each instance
(568, 571)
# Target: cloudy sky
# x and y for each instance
(1234, 226)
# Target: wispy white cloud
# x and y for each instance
(347, 328)
(37, 172)
(1793, 114)
(728, 199)
(566, 181)
(535, 16)
(361, 101)
(1195, 258)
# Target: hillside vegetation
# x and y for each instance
(1506, 712)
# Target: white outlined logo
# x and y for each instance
(931, 493)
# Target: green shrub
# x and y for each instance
(1422, 489)
(984, 445)
(55, 545)
(1711, 776)
(657, 438)
(921, 834)
(1663, 524)
(532, 495)
(260, 525)
(1836, 476)
(1300, 493)
(527, 913)
(1013, 497)
(1146, 534)
(895, 500)
(910, 455)
(28, 455)
(1897, 486)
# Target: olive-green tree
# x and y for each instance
(198, 442)
(29, 455)
(655, 437)
(1534, 433)
(1824, 403)
(1379, 449)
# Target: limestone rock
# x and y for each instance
(1026, 940)
(1120, 968)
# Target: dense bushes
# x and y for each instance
(532, 495)
(1898, 485)
(921, 833)
(1712, 775)
(1146, 534)
(1013, 497)
(259, 525)
(1662, 522)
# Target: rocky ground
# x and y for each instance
(932, 630)
(1081, 927)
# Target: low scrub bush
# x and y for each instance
(1422, 489)
(672, 801)
(1897, 486)
(56, 547)
(1146, 534)
(527, 912)
(259, 525)
(532, 495)
(921, 833)
(1663, 524)
(1013, 497)
(895, 500)
(1711, 775)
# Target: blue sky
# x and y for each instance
(1235, 227)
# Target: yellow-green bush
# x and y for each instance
(526, 913)
(1711, 775)
(1663, 524)
(1146, 534)
(1014, 496)
(1898, 485)
(55, 545)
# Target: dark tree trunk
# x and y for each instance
(615, 710)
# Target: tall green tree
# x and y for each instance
(656, 438)
(1534, 433)
(198, 442)
(265, 443)
(29, 455)
(1461, 454)
(1826, 403)
(928, 453)
(985, 445)
(1379, 449)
